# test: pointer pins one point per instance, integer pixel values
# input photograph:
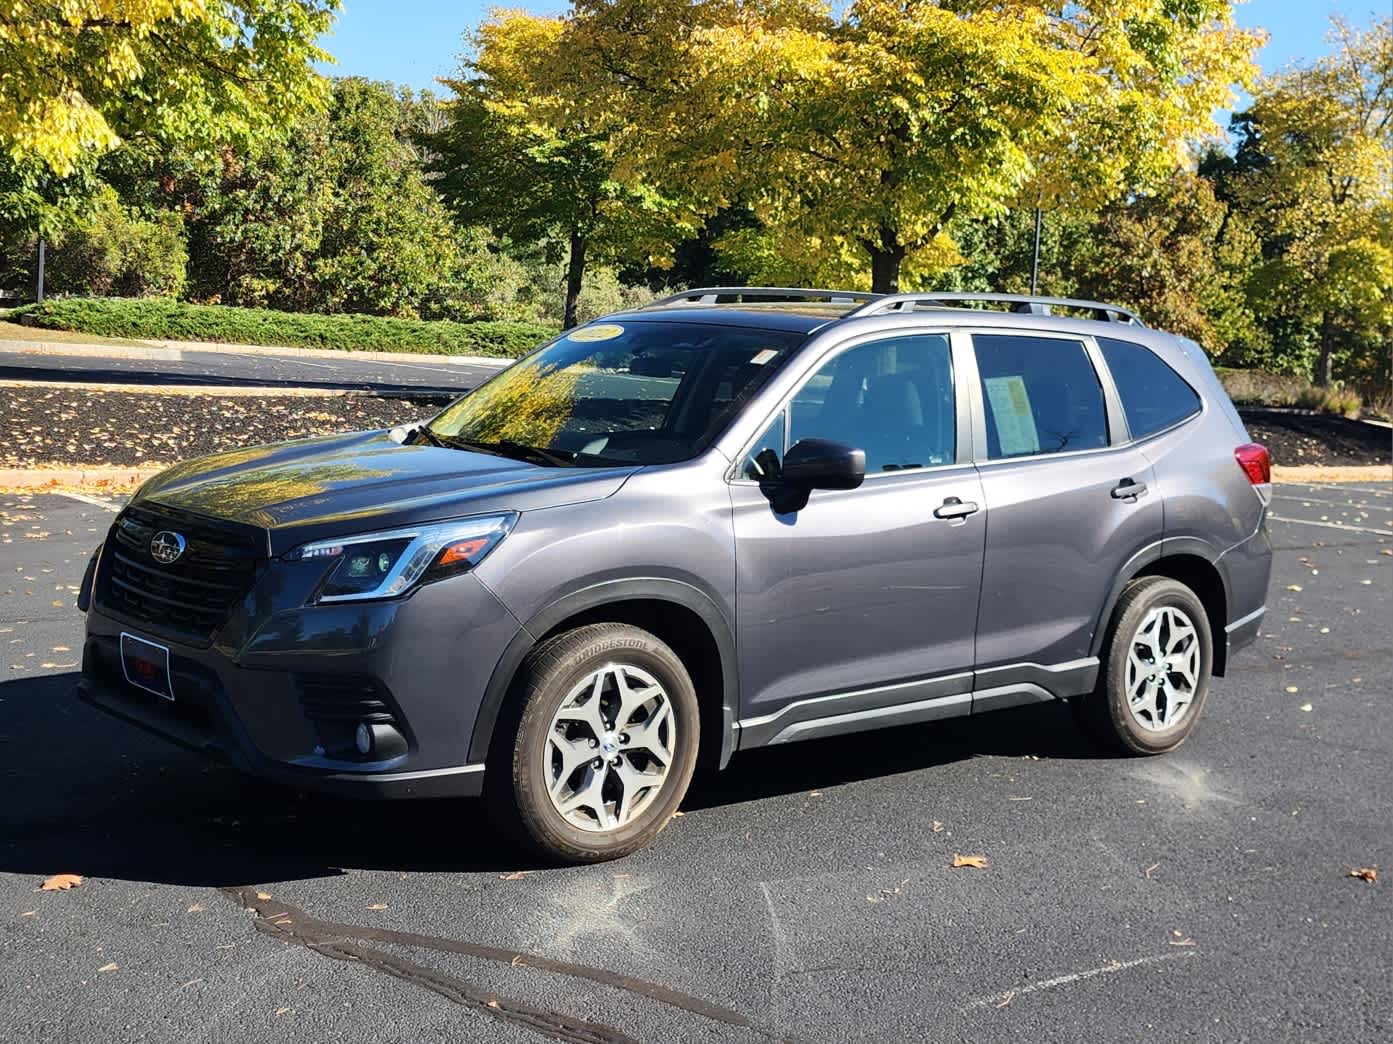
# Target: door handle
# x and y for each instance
(952, 507)
(1128, 490)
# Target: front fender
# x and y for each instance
(595, 596)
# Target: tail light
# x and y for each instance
(1256, 463)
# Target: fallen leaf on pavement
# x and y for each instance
(936, 827)
(263, 896)
(377, 906)
(1306, 707)
(61, 883)
(977, 862)
(516, 875)
(1293, 587)
(195, 908)
(281, 1011)
(108, 967)
(1364, 873)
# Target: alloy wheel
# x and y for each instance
(610, 747)
(1163, 668)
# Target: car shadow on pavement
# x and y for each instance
(1045, 730)
(85, 793)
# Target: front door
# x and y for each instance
(859, 608)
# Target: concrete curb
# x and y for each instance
(1316, 473)
(322, 353)
(231, 391)
(81, 479)
(173, 351)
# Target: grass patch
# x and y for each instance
(1259, 388)
(160, 319)
(37, 334)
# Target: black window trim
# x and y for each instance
(964, 409)
(1202, 403)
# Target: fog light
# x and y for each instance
(378, 742)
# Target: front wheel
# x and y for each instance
(1156, 668)
(601, 746)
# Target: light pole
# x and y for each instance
(1035, 260)
(39, 277)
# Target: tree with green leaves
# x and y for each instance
(1314, 170)
(332, 215)
(529, 153)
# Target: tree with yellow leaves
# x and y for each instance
(79, 77)
(870, 126)
(535, 146)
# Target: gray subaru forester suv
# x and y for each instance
(735, 518)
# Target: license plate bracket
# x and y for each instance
(146, 665)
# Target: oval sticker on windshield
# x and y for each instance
(598, 332)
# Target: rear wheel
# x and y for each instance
(1156, 668)
(600, 749)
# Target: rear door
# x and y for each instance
(1068, 503)
(863, 602)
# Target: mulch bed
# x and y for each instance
(79, 427)
(1302, 438)
(73, 426)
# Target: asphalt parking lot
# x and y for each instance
(806, 894)
(229, 368)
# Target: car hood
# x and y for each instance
(342, 484)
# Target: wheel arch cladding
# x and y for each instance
(676, 613)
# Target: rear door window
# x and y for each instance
(1042, 395)
(1153, 395)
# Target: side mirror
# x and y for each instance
(823, 464)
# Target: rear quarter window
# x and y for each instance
(1153, 395)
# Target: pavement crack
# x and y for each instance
(344, 942)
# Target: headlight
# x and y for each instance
(392, 562)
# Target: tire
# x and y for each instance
(1137, 708)
(561, 724)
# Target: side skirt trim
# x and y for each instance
(902, 703)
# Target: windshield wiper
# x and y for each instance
(535, 453)
(424, 432)
(510, 449)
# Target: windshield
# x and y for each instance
(617, 393)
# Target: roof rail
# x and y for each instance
(708, 295)
(1110, 313)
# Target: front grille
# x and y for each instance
(192, 596)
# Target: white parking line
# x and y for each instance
(83, 498)
(1332, 525)
(1000, 1000)
(1334, 503)
(1339, 489)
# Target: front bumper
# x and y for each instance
(280, 700)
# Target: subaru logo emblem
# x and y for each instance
(166, 547)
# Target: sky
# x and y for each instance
(412, 42)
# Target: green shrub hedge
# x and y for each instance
(163, 319)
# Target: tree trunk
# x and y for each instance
(1327, 349)
(575, 272)
(885, 266)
